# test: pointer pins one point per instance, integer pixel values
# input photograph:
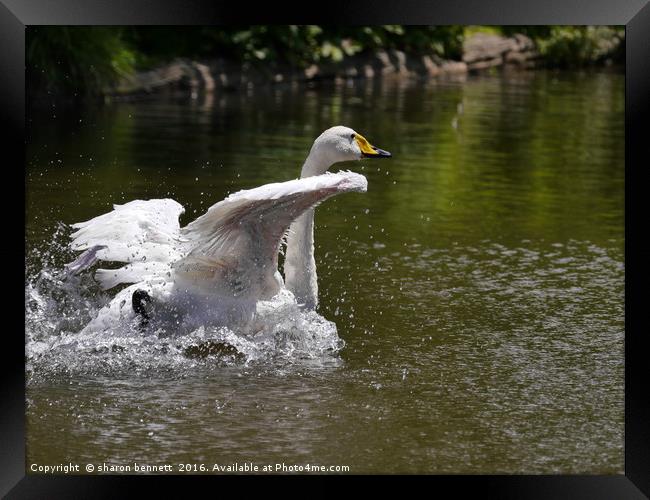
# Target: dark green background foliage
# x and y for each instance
(77, 59)
(295, 45)
(567, 46)
(86, 60)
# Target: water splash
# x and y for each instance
(58, 306)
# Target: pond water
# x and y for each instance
(477, 287)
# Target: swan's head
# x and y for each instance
(338, 144)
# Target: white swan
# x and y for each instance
(217, 268)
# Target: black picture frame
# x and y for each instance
(15, 15)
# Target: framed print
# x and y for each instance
(389, 242)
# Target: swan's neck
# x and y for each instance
(299, 262)
(316, 163)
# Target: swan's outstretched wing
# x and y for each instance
(235, 245)
(144, 234)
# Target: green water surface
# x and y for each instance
(478, 284)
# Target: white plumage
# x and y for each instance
(217, 268)
(144, 234)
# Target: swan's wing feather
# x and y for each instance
(131, 273)
(85, 260)
(134, 223)
(142, 233)
(235, 244)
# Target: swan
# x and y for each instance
(217, 268)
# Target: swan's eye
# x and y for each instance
(352, 136)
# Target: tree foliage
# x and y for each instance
(87, 60)
(570, 46)
(76, 59)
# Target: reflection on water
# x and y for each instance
(478, 284)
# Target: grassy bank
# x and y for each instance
(77, 61)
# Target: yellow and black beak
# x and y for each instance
(369, 151)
